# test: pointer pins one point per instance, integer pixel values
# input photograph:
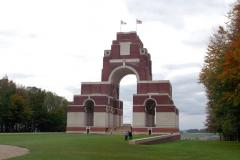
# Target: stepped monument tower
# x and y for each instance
(98, 108)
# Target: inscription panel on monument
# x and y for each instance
(125, 48)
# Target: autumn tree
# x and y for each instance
(221, 78)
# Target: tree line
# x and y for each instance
(30, 109)
(221, 78)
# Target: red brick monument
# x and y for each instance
(98, 108)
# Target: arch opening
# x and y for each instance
(150, 112)
(89, 113)
(127, 87)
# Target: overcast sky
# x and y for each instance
(50, 43)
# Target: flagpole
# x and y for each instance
(136, 26)
(122, 23)
(138, 22)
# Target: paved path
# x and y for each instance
(7, 151)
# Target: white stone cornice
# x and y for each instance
(104, 82)
(155, 81)
(132, 60)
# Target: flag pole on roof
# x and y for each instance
(122, 23)
(138, 22)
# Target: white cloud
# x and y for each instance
(192, 121)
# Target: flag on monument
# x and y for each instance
(138, 21)
(122, 22)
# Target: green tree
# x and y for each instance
(221, 77)
(20, 112)
(35, 102)
(56, 111)
(7, 88)
(30, 109)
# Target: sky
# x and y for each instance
(50, 43)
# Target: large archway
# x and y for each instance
(125, 80)
(127, 88)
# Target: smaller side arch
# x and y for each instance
(148, 100)
(89, 105)
(150, 112)
(89, 99)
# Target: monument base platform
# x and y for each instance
(103, 130)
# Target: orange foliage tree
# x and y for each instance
(221, 78)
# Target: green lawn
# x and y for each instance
(60, 146)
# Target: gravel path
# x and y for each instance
(7, 151)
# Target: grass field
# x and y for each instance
(60, 146)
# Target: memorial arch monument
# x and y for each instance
(99, 110)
